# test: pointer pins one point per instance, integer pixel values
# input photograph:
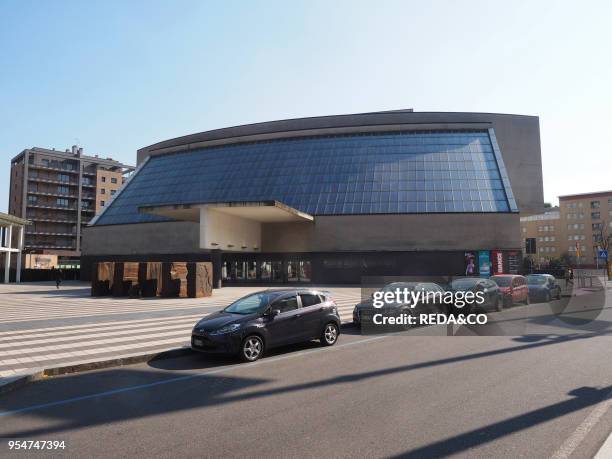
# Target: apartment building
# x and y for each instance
(60, 192)
(577, 227)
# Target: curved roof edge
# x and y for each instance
(329, 124)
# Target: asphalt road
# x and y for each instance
(409, 396)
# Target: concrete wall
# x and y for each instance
(411, 232)
(142, 238)
(219, 230)
(327, 234)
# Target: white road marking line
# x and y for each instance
(93, 325)
(605, 452)
(89, 339)
(575, 439)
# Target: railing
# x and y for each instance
(61, 168)
(48, 233)
(36, 178)
(51, 206)
(47, 218)
(52, 193)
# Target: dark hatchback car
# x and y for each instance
(364, 311)
(543, 287)
(490, 290)
(268, 319)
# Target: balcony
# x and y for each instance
(48, 233)
(51, 219)
(52, 193)
(50, 206)
(48, 167)
(49, 180)
(37, 245)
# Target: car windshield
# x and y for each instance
(502, 281)
(252, 303)
(536, 280)
(462, 284)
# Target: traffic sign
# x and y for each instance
(602, 253)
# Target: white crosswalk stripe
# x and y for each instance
(27, 349)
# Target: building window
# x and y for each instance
(61, 189)
(102, 191)
(610, 202)
(103, 179)
(594, 204)
(62, 202)
(113, 192)
(113, 180)
(32, 199)
(597, 226)
(64, 178)
(102, 203)
(595, 215)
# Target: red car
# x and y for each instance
(513, 287)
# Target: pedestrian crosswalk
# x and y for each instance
(28, 349)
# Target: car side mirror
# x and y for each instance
(273, 313)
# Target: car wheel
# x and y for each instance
(252, 348)
(329, 336)
(499, 304)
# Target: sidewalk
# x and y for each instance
(43, 328)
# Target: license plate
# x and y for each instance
(198, 342)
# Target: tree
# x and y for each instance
(566, 259)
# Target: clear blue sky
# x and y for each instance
(118, 75)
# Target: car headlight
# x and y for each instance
(226, 329)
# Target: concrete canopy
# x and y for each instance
(260, 211)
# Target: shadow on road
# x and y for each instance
(121, 394)
(583, 397)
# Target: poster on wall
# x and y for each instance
(470, 263)
(484, 263)
(513, 262)
(497, 257)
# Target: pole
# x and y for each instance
(19, 254)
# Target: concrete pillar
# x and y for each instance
(19, 254)
(7, 256)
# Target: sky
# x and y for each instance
(115, 76)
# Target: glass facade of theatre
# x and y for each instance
(389, 173)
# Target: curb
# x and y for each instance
(15, 382)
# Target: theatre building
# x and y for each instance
(329, 199)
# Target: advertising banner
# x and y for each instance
(513, 262)
(484, 263)
(497, 258)
(470, 263)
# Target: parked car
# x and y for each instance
(513, 287)
(263, 320)
(365, 310)
(543, 287)
(492, 294)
